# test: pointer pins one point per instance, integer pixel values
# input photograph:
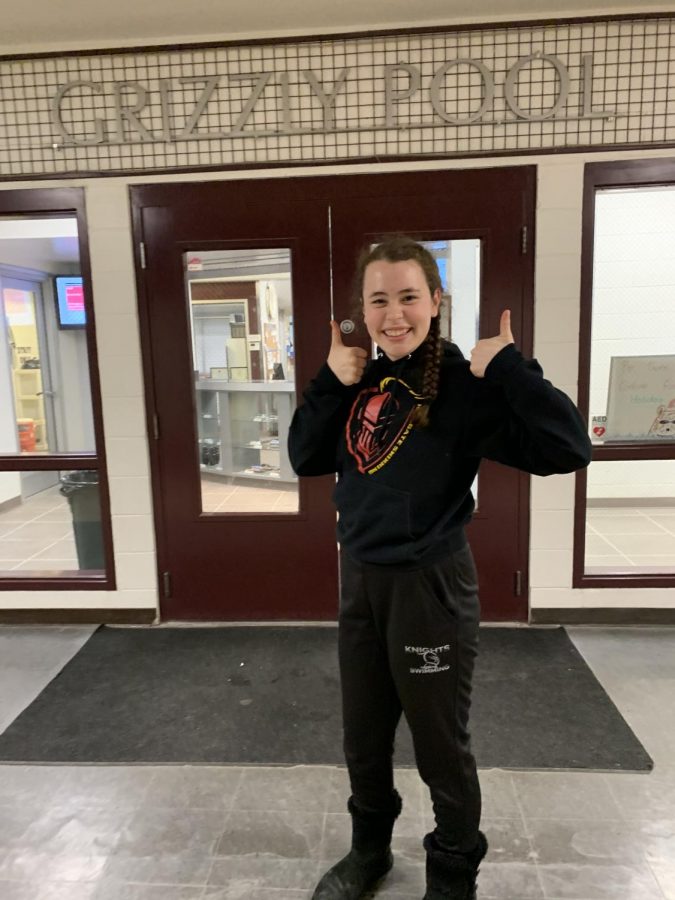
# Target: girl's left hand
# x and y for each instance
(485, 350)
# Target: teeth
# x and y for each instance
(396, 332)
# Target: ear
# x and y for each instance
(436, 302)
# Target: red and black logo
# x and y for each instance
(379, 423)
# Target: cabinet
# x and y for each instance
(243, 428)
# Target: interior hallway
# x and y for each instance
(237, 833)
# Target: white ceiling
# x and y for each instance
(86, 24)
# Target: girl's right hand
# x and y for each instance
(346, 363)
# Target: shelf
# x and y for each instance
(258, 387)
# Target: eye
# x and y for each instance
(409, 298)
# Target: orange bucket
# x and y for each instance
(26, 434)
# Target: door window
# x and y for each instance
(243, 361)
(458, 263)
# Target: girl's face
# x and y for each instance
(398, 306)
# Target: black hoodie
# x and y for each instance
(404, 493)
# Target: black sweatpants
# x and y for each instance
(407, 642)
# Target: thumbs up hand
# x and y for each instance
(346, 363)
(485, 350)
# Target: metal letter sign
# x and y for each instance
(131, 98)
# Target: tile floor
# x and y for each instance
(38, 534)
(629, 537)
(238, 833)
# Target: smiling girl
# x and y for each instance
(405, 433)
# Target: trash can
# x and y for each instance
(81, 489)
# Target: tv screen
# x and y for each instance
(70, 301)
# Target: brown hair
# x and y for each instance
(401, 248)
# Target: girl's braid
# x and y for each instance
(433, 349)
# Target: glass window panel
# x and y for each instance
(459, 266)
(241, 318)
(50, 522)
(630, 517)
(632, 389)
(45, 398)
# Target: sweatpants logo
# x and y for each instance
(431, 657)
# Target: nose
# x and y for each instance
(394, 312)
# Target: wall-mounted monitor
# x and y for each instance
(69, 301)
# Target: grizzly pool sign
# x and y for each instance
(400, 96)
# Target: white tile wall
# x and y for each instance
(121, 599)
(125, 417)
(554, 530)
(107, 248)
(551, 492)
(557, 277)
(122, 376)
(117, 335)
(560, 361)
(626, 598)
(133, 534)
(130, 496)
(127, 456)
(559, 186)
(559, 231)
(557, 321)
(551, 568)
(115, 292)
(107, 201)
(135, 571)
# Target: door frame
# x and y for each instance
(329, 188)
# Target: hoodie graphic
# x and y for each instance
(379, 422)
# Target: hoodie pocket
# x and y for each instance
(372, 515)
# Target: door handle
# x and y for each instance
(46, 393)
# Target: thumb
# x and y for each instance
(335, 334)
(505, 326)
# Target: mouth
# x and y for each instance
(394, 333)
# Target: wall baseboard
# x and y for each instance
(77, 616)
(602, 616)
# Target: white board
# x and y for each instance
(641, 398)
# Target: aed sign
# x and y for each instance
(123, 112)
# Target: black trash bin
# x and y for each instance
(81, 489)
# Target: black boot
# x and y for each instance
(452, 876)
(368, 861)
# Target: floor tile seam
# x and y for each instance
(601, 820)
(626, 816)
(519, 805)
(36, 558)
(654, 521)
(235, 791)
(208, 876)
(144, 883)
(615, 548)
(656, 880)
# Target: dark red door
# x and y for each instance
(473, 221)
(238, 537)
(228, 280)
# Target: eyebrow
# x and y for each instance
(408, 290)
